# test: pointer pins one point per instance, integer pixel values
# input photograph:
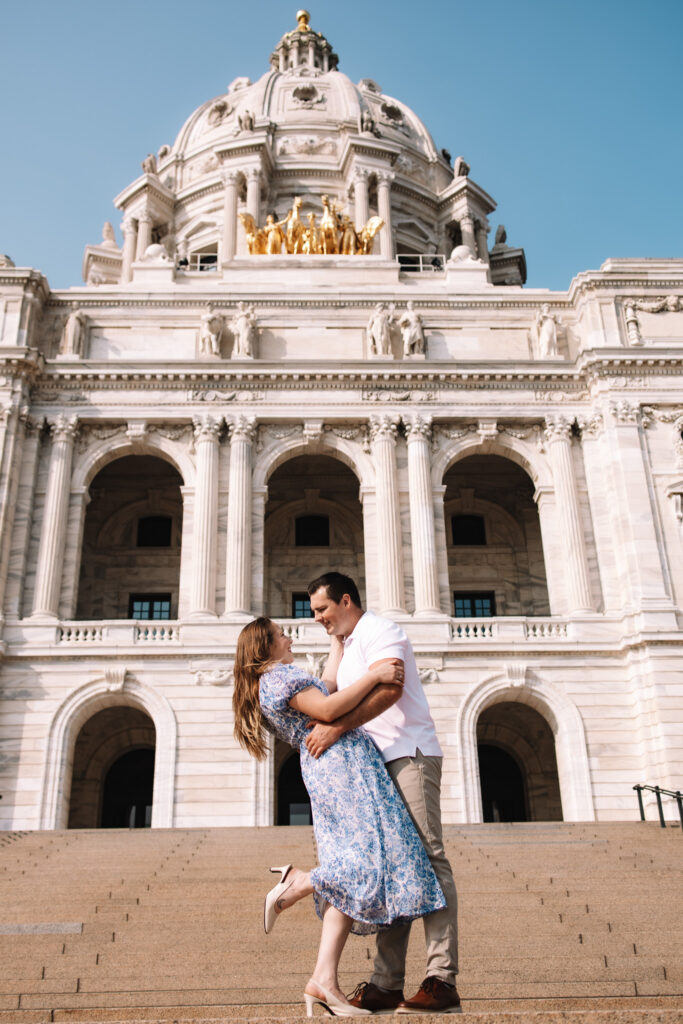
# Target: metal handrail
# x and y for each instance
(659, 793)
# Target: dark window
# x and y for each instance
(301, 606)
(468, 530)
(154, 532)
(312, 532)
(477, 605)
(149, 606)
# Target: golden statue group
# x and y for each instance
(334, 235)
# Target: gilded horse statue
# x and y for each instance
(256, 236)
(329, 229)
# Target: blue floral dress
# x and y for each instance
(373, 866)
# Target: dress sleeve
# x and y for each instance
(280, 684)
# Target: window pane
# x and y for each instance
(468, 530)
(477, 605)
(154, 532)
(149, 606)
(301, 606)
(312, 532)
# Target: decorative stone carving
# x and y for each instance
(624, 412)
(73, 336)
(546, 332)
(214, 677)
(219, 112)
(244, 331)
(313, 431)
(418, 426)
(108, 236)
(206, 427)
(242, 428)
(238, 84)
(245, 121)
(64, 428)
(315, 664)
(516, 674)
(632, 324)
(115, 678)
(379, 329)
(590, 424)
(412, 332)
(308, 97)
(384, 425)
(557, 427)
(428, 675)
(6, 262)
(367, 124)
(487, 430)
(156, 253)
(668, 304)
(137, 432)
(211, 332)
(461, 169)
(320, 144)
(149, 164)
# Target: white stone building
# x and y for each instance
(197, 431)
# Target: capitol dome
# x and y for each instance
(303, 129)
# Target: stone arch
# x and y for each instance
(517, 684)
(348, 452)
(97, 456)
(111, 690)
(525, 455)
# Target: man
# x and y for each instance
(399, 723)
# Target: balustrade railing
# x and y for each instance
(659, 793)
(472, 629)
(75, 634)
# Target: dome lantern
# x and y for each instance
(302, 47)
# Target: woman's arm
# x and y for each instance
(326, 708)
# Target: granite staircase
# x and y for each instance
(558, 922)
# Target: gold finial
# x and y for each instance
(303, 18)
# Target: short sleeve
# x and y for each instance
(279, 685)
(389, 642)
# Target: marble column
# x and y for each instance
(254, 193)
(53, 530)
(207, 430)
(422, 532)
(360, 195)
(238, 569)
(383, 430)
(468, 236)
(482, 242)
(13, 423)
(130, 239)
(558, 436)
(229, 216)
(384, 180)
(144, 235)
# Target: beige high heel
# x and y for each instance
(270, 915)
(333, 1005)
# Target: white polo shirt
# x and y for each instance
(407, 725)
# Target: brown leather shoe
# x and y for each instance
(433, 996)
(367, 996)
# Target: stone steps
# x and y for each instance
(166, 925)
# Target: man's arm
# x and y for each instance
(329, 676)
(378, 700)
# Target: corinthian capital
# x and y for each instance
(385, 177)
(418, 428)
(207, 427)
(558, 428)
(384, 427)
(64, 428)
(624, 412)
(242, 428)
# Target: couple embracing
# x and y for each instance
(371, 763)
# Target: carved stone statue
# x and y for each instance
(243, 327)
(501, 235)
(211, 332)
(246, 121)
(367, 124)
(73, 335)
(6, 261)
(546, 329)
(149, 164)
(109, 236)
(379, 330)
(412, 332)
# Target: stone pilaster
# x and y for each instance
(422, 534)
(53, 530)
(130, 238)
(384, 180)
(383, 430)
(558, 436)
(238, 569)
(360, 197)
(229, 216)
(254, 193)
(204, 534)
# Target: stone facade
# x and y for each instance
(507, 482)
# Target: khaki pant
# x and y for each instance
(418, 780)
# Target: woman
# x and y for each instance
(373, 868)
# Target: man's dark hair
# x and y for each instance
(336, 585)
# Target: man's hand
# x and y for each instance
(321, 737)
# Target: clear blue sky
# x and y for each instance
(569, 113)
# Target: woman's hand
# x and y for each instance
(390, 671)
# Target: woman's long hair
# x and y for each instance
(252, 659)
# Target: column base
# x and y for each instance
(202, 613)
(237, 616)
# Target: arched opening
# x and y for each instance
(313, 523)
(517, 764)
(130, 564)
(293, 803)
(493, 534)
(113, 770)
